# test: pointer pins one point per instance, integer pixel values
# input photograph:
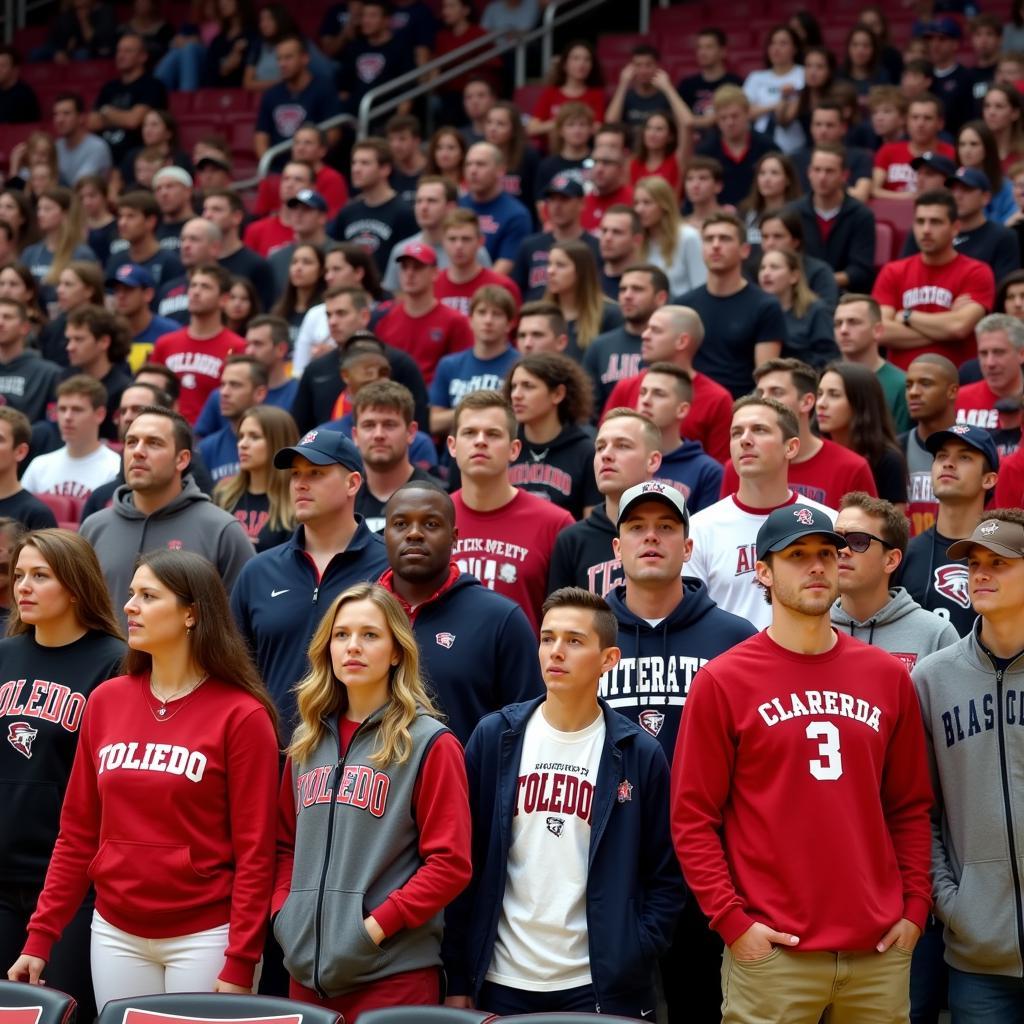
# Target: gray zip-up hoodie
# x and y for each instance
(352, 850)
(974, 721)
(901, 627)
(190, 522)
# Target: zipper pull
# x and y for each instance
(316, 593)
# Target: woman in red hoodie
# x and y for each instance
(170, 807)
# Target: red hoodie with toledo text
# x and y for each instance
(801, 794)
(171, 818)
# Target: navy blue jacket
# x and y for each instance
(693, 472)
(635, 889)
(278, 600)
(478, 652)
(650, 683)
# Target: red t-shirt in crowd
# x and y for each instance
(913, 284)
(667, 169)
(825, 477)
(426, 338)
(976, 404)
(894, 158)
(329, 183)
(1010, 485)
(198, 363)
(268, 234)
(707, 421)
(509, 549)
(595, 206)
(552, 99)
(458, 296)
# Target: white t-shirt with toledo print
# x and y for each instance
(542, 943)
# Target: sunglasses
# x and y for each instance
(860, 541)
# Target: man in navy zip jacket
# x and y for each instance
(279, 601)
(575, 890)
(476, 646)
(668, 628)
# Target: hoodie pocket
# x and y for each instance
(295, 931)
(142, 874)
(982, 929)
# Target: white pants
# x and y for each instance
(125, 965)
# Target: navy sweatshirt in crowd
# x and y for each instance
(650, 683)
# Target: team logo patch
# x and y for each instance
(959, 428)
(625, 791)
(804, 516)
(988, 528)
(555, 825)
(951, 583)
(445, 640)
(288, 118)
(652, 721)
(175, 545)
(369, 66)
(20, 735)
(908, 658)
(309, 438)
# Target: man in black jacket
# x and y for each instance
(837, 228)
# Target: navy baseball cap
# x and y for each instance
(977, 438)
(563, 185)
(970, 177)
(131, 275)
(948, 27)
(653, 490)
(936, 161)
(788, 524)
(308, 197)
(322, 448)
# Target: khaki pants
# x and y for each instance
(788, 987)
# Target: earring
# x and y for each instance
(189, 631)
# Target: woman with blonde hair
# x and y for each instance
(259, 496)
(574, 286)
(59, 216)
(80, 283)
(669, 244)
(374, 831)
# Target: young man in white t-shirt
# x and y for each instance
(84, 463)
(575, 891)
(763, 439)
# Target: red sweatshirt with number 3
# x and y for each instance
(800, 794)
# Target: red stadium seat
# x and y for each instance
(181, 103)
(224, 101)
(899, 213)
(213, 1008)
(885, 240)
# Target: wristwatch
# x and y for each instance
(905, 317)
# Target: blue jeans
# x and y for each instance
(505, 1001)
(929, 975)
(181, 69)
(985, 998)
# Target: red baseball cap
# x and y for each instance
(420, 252)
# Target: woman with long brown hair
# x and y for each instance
(80, 283)
(396, 835)
(59, 217)
(573, 286)
(170, 808)
(305, 286)
(63, 641)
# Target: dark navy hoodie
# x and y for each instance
(583, 556)
(692, 472)
(652, 679)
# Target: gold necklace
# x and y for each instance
(161, 712)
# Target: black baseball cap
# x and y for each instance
(563, 185)
(322, 448)
(936, 161)
(974, 437)
(786, 525)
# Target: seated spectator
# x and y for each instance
(976, 148)
(147, 22)
(862, 63)
(776, 185)
(225, 59)
(702, 186)
(446, 153)
(404, 135)
(478, 97)
(172, 188)
(274, 23)
(200, 243)
(512, 16)
(18, 101)
(84, 462)
(894, 174)
(456, 285)
(59, 217)
(159, 148)
(784, 230)
(669, 244)
(888, 110)
(1001, 111)
(17, 211)
(733, 143)
(620, 243)
(27, 383)
(100, 224)
(460, 28)
(643, 89)
(609, 177)
(697, 90)
(874, 16)
(550, 399)
(574, 287)
(1000, 354)
(16, 282)
(661, 149)
(98, 344)
(809, 334)
(84, 30)
(918, 75)
(80, 284)
(123, 102)
(243, 304)
(137, 218)
(212, 160)
(415, 21)
(574, 76)
(851, 411)
(79, 152)
(259, 495)
(954, 83)
(483, 367)
(16, 503)
(134, 292)
(270, 233)
(305, 286)
(378, 218)
(340, 25)
(33, 163)
(243, 384)
(774, 92)
(569, 150)
(541, 328)
(503, 128)
(309, 224)
(224, 208)
(829, 127)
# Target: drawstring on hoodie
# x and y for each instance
(871, 631)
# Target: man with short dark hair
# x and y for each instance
(18, 101)
(702, 187)
(1000, 355)
(462, 244)
(224, 207)
(697, 90)
(27, 382)
(895, 176)
(609, 177)
(620, 239)
(157, 508)
(138, 217)
(541, 328)
(243, 384)
(734, 143)
(79, 152)
(98, 345)
(405, 140)
(952, 83)
(829, 127)
(15, 501)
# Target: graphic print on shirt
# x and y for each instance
(490, 560)
(167, 758)
(638, 682)
(951, 582)
(21, 735)
(362, 787)
(187, 364)
(51, 702)
(977, 715)
(557, 790)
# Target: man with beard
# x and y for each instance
(476, 646)
(803, 738)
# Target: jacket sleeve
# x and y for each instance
(860, 267)
(285, 858)
(302, 404)
(233, 551)
(560, 570)
(517, 668)
(240, 610)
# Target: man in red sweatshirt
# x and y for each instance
(800, 801)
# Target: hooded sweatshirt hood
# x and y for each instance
(560, 470)
(692, 471)
(583, 556)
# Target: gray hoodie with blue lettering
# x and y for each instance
(974, 721)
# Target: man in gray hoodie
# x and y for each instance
(155, 508)
(869, 607)
(971, 699)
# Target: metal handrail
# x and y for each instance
(263, 167)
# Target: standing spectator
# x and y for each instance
(243, 384)
(464, 276)
(138, 217)
(266, 235)
(84, 462)
(378, 218)
(550, 399)
(620, 241)
(697, 90)
(965, 468)
(670, 245)
(809, 334)
(503, 128)
(609, 176)
(505, 535)
(79, 152)
(749, 325)
(895, 176)
(197, 353)
(189, 685)
(258, 496)
(27, 382)
(575, 76)
(761, 915)
(16, 503)
(224, 208)
(62, 630)
(774, 92)
(123, 102)
(18, 101)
